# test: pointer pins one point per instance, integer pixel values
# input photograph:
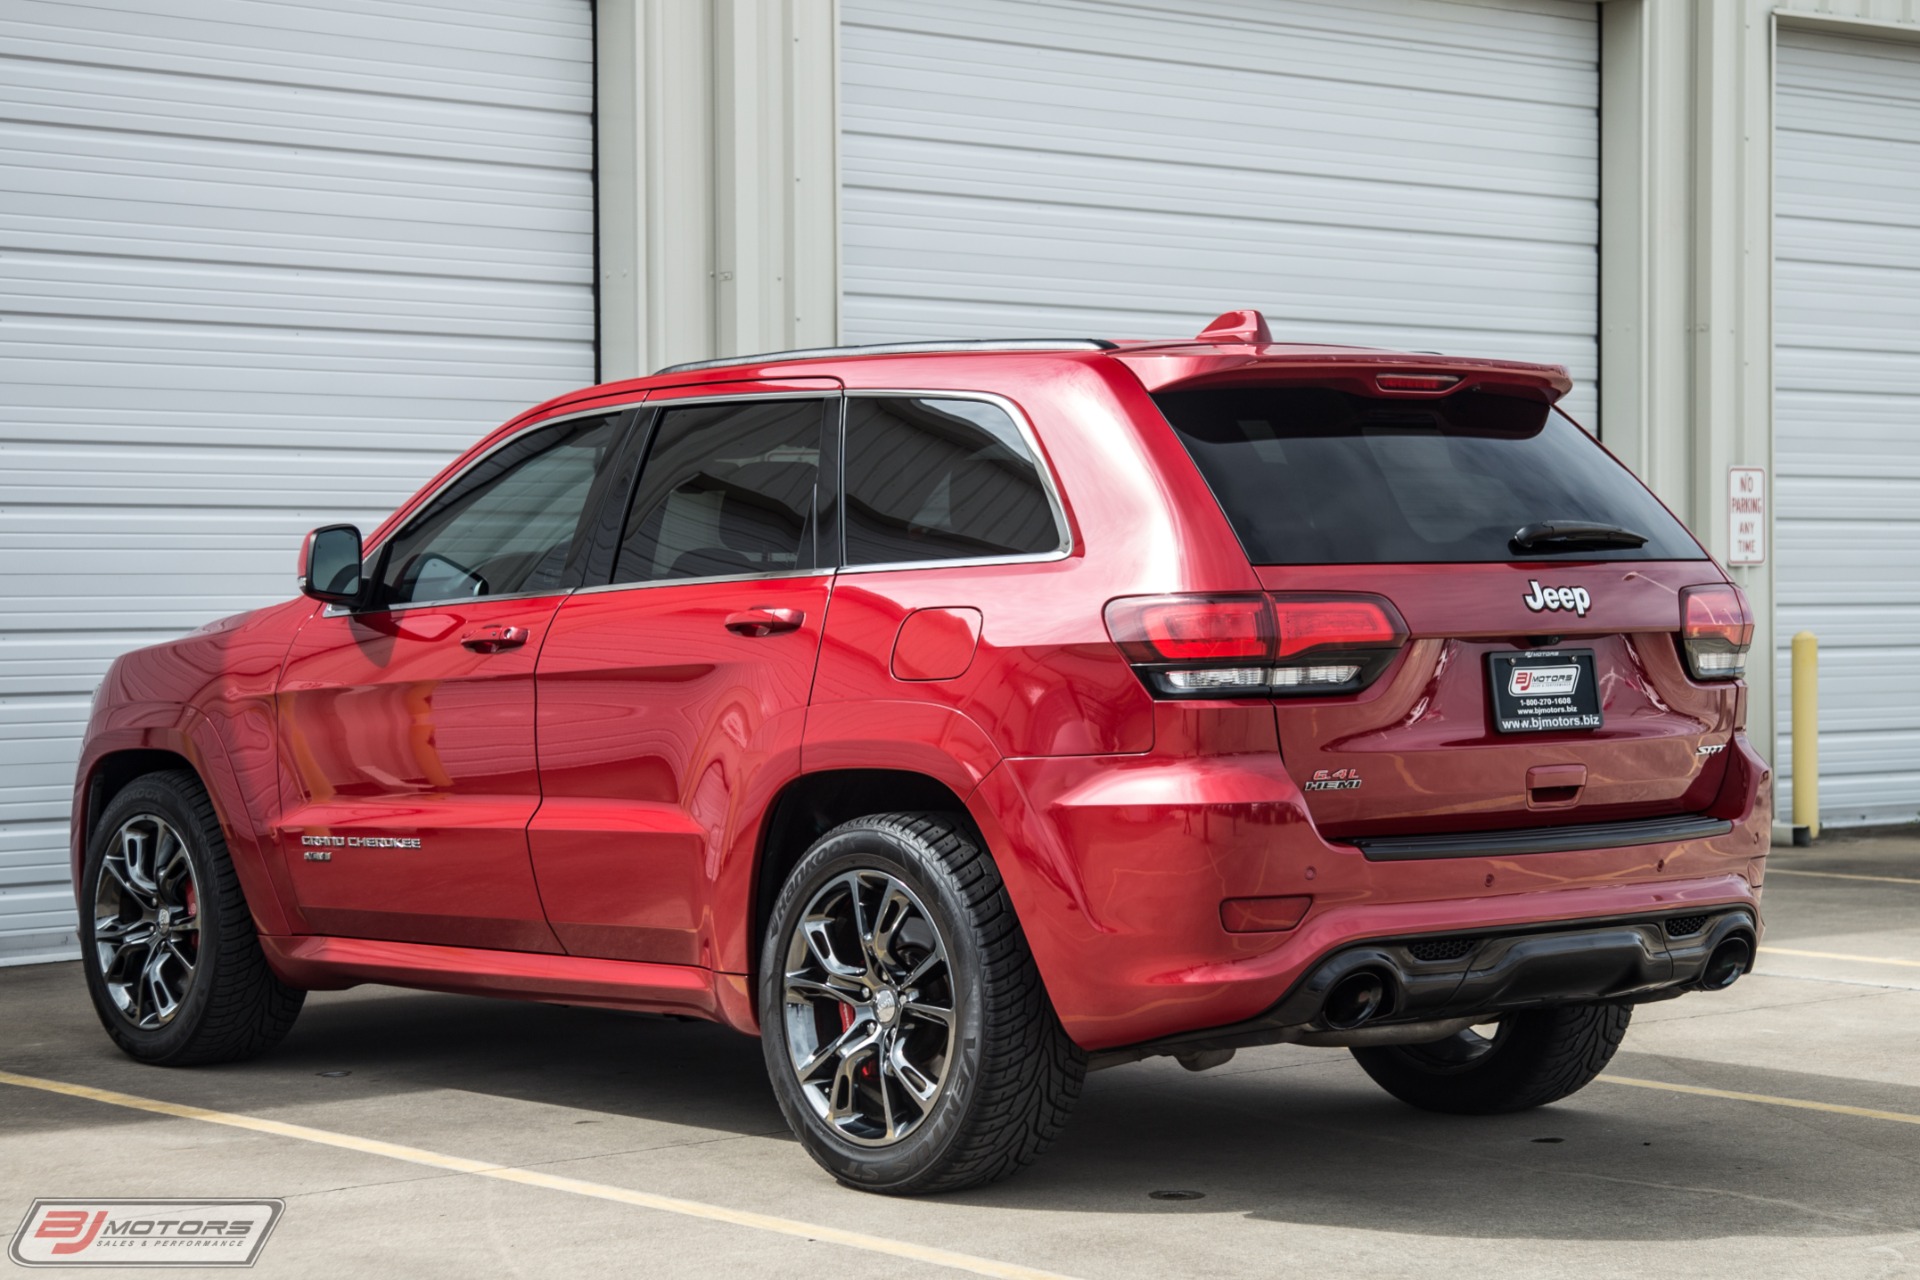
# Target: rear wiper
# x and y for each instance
(1573, 535)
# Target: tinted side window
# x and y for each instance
(938, 479)
(506, 525)
(727, 489)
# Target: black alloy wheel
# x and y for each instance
(172, 960)
(907, 1034)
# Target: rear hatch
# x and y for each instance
(1541, 672)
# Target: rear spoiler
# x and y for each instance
(1363, 373)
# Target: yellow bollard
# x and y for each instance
(1806, 738)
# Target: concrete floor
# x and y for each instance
(1305, 1167)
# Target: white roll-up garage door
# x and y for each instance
(1407, 173)
(1847, 411)
(262, 266)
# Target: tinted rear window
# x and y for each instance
(1313, 476)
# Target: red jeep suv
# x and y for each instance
(958, 717)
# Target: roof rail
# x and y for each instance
(900, 348)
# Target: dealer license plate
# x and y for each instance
(1544, 690)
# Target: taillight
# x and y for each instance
(1716, 629)
(1229, 646)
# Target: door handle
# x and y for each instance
(493, 639)
(764, 622)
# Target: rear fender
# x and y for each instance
(919, 736)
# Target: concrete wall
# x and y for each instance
(719, 191)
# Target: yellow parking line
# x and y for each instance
(1835, 955)
(1899, 1117)
(551, 1182)
(1842, 875)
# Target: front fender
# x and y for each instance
(191, 735)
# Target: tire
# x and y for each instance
(172, 960)
(1536, 1057)
(910, 1102)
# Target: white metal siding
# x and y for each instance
(1847, 411)
(262, 266)
(1407, 173)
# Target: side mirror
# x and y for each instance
(330, 564)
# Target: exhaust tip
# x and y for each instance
(1355, 999)
(1726, 965)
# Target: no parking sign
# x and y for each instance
(1746, 515)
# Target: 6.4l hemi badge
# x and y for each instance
(1334, 780)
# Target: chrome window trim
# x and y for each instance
(366, 552)
(1048, 483)
(805, 393)
(514, 438)
(972, 562)
(802, 575)
(643, 403)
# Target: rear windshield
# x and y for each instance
(1308, 475)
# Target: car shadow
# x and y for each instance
(1282, 1135)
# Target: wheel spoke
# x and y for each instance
(911, 1078)
(802, 986)
(136, 987)
(843, 1093)
(820, 946)
(895, 906)
(123, 876)
(153, 982)
(136, 850)
(931, 1012)
(168, 850)
(861, 929)
(884, 1074)
(927, 962)
(128, 962)
(117, 932)
(174, 876)
(845, 1044)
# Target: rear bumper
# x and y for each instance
(1117, 867)
(1428, 980)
